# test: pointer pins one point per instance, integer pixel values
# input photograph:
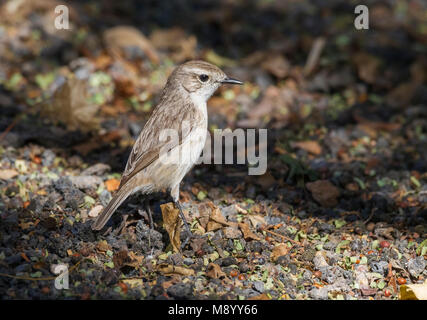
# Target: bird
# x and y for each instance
(182, 107)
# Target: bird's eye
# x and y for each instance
(204, 77)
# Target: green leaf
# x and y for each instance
(339, 223)
(340, 245)
(422, 248)
(201, 195)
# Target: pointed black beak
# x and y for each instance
(231, 81)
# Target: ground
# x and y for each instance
(340, 212)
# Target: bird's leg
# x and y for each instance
(187, 227)
(150, 218)
(175, 197)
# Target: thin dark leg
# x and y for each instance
(187, 227)
(150, 214)
(150, 218)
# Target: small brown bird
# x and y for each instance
(182, 108)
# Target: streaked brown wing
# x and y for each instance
(148, 145)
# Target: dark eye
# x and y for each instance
(204, 77)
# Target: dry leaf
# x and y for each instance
(214, 271)
(183, 47)
(256, 219)
(133, 283)
(367, 66)
(70, 105)
(112, 184)
(309, 146)
(277, 65)
(262, 296)
(324, 192)
(8, 174)
(266, 180)
(216, 215)
(102, 246)
(172, 224)
(247, 233)
(168, 269)
(278, 251)
(413, 292)
(118, 38)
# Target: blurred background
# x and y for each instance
(345, 107)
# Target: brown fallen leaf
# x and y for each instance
(183, 46)
(168, 269)
(103, 246)
(7, 174)
(247, 233)
(262, 296)
(309, 146)
(120, 37)
(277, 65)
(367, 66)
(324, 192)
(266, 180)
(278, 251)
(376, 125)
(112, 184)
(216, 215)
(214, 271)
(70, 105)
(413, 291)
(172, 224)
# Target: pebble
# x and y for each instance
(95, 211)
(96, 169)
(258, 286)
(232, 233)
(380, 267)
(416, 266)
(319, 293)
(86, 182)
(330, 245)
(319, 261)
(47, 158)
(181, 291)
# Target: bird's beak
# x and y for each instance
(231, 81)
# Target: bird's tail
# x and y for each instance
(114, 203)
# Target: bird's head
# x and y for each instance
(200, 78)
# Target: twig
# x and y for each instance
(282, 236)
(314, 55)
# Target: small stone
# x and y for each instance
(258, 286)
(416, 266)
(362, 280)
(319, 261)
(181, 291)
(319, 293)
(86, 182)
(380, 267)
(47, 158)
(324, 192)
(330, 245)
(95, 211)
(232, 233)
(96, 169)
(328, 274)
